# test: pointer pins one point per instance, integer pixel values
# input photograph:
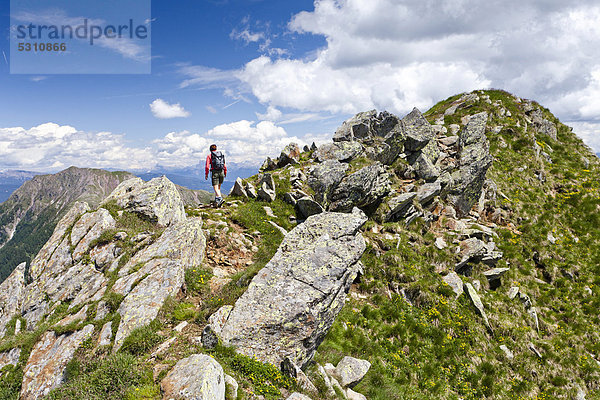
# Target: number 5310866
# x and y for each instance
(42, 46)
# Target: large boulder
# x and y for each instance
(238, 188)
(292, 302)
(397, 207)
(48, 360)
(417, 131)
(474, 161)
(158, 200)
(323, 178)
(361, 189)
(197, 377)
(339, 151)
(355, 128)
(306, 207)
(351, 370)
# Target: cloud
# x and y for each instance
(272, 114)
(589, 131)
(247, 36)
(242, 141)
(50, 146)
(163, 110)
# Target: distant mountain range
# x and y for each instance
(190, 177)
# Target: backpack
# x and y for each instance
(217, 161)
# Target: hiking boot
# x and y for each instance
(220, 202)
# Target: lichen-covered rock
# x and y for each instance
(292, 302)
(361, 189)
(417, 131)
(268, 165)
(265, 193)
(357, 127)
(455, 283)
(428, 191)
(43, 257)
(474, 161)
(323, 178)
(10, 357)
(424, 161)
(250, 190)
(183, 242)
(11, 296)
(105, 334)
(89, 228)
(472, 250)
(77, 317)
(46, 365)
(218, 319)
(307, 207)
(351, 370)
(398, 206)
(476, 300)
(339, 151)
(289, 155)
(238, 188)
(158, 200)
(142, 304)
(231, 387)
(198, 377)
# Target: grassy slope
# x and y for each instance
(439, 348)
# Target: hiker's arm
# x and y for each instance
(225, 169)
(207, 167)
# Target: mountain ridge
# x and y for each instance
(475, 226)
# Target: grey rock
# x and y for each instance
(290, 198)
(472, 250)
(449, 140)
(509, 354)
(357, 127)
(350, 371)
(89, 228)
(399, 206)
(474, 161)
(427, 192)
(210, 340)
(48, 257)
(339, 151)
(238, 188)
(12, 291)
(231, 385)
(265, 193)
(10, 357)
(105, 334)
(417, 131)
(512, 292)
(323, 178)
(297, 396)
(361, 189)
(455, 282)
(292, 302)
(158, 199)
(495, 274)
(352, 395)
(218, 319)
(77, 317)
(476, 300)
(535, 350)
(268, 165)
(250, 190)
(198, 377)
(440, 243)
(48, 360)
(307, 207)
(289, 155)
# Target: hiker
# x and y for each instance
(215, 163)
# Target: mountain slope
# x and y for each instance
(29, 215)
(479, 271)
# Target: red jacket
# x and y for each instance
(208, 166)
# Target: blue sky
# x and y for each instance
(256, 74)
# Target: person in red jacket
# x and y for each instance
(215, 163)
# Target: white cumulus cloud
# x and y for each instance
(163, 110)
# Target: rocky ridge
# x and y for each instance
(403, 253)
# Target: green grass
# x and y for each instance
(119, 376)
(142, 339)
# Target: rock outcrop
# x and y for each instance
(292, 302)
(198, 377)
(474, 161)
(158, 200)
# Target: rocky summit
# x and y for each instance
(450, 254)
